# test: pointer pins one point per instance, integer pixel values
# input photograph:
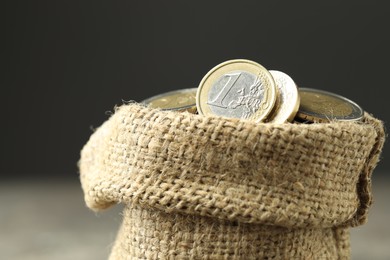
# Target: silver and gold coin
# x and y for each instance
(322, 106)
(287, 102)
(237, 89)
(179, 100)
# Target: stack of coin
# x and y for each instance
(245, 89)
(321, 106)
(178, 100)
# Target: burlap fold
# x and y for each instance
(198, 187)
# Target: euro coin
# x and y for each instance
(237, 89)
(180, 100)
(322, 106)
(287, 102)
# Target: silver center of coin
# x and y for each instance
(237, 94)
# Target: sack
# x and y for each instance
(198, 187)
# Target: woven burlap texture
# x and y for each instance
(202, 187)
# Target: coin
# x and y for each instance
(237, 89)
(287, 102)
(322, 106)
(180, 100)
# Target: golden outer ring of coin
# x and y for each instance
(293, 104)
(236, 65)
(191, 107)
(312, 116)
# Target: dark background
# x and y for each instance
(66, 63)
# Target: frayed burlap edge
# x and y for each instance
(364, 184)
(288, 176)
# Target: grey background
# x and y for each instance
(66, 63)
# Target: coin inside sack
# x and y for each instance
(322, 106)
(179, 100)
(237, 89)
(287, 102)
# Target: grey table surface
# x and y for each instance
(49, 220)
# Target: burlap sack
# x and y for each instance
(198, 187)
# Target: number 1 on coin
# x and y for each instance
(233, 77)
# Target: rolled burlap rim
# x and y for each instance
(234, 172)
